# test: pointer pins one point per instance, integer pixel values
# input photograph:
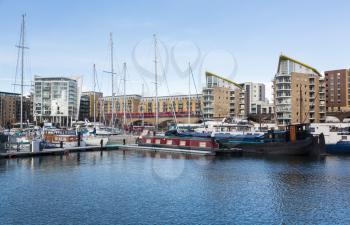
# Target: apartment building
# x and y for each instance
(8, 108)
(255, 99)
(90, 101)
(56, 99)
(137, 107)
(337, 90)
(298, 93)
(222, 98)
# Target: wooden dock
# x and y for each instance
(114, 147)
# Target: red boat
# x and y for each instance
(179, 142)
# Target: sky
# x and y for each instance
(240, 40)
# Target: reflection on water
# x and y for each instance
(161, 188)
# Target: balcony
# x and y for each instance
(283, 117)
(285, 102)
(283, 88)
(282, 81)
(283, 109)
(282, 96)
(282, 75)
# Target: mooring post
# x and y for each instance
(78, 138)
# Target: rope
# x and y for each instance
(198, 99)
(167, 86)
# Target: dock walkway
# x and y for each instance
(114, 147)
(135, 147)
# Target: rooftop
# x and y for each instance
(223, 78)
(284, 57)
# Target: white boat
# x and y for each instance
(337, 136)
(333, 132)
(92, 140)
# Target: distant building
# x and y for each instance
(8, 108)
(84, 111)
(255, 100)
(140, 108)
(56, 99)
(87, 105)
(222, 98)
(297, 93)
(337, 90)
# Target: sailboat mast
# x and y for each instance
(156, 82)
(94, 72)
(189, 93)
(142, 107)
(300, 107)
(112, 73)
(22, 47)
(124, 101)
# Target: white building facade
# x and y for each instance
(56, 99)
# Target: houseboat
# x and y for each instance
(296, 140)
(193, 141)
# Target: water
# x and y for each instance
(131, 188)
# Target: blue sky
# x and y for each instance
(237, 39)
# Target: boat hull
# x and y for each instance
(338, 148)
(95, 141)
(301, 147)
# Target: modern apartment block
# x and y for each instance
(298, 93)
(337, 90)
(255, 100)
(56, 99)
(222, 98)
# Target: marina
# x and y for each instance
(174, 112)
(152, 187)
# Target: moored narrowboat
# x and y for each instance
(193, 143)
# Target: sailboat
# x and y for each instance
(91, 138)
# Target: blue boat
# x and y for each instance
(341, 147)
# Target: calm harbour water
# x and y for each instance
(132, 188)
